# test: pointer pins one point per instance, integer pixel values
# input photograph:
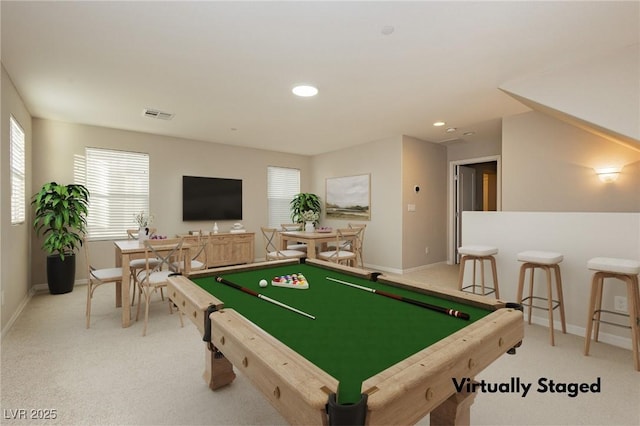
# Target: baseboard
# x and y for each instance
(17, 312)
(611, 339)
(423, 267)
(44, 288)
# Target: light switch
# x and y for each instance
(411, 207)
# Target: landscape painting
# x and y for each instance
(348, 198)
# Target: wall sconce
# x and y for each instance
(608, 174)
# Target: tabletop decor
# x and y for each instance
(61, 217)
(309, 217)
(348, 198)
(144, 221)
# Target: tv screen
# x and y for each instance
(206, 198)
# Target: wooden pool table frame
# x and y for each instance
(300, 391)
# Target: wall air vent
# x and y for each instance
(154, 113)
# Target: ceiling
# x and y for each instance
(226, 69)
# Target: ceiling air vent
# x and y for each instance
(154, 113)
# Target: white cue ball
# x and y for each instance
(263, 283)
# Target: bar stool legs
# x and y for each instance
(546, 261)
(479, 254)
(624, 270)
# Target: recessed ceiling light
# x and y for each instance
(439, 123)
(305, 91)
(451, 129)
(469, 133)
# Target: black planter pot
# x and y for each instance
(61, 274)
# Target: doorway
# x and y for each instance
(474, 186)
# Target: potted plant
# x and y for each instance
(303, 202)
(61, 218)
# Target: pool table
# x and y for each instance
(356, 357)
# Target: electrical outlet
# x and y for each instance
(620, 303)
(426, 250)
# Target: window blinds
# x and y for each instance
(282, 185)
(17, 167)
(118, 182)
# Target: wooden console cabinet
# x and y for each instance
(225, 249)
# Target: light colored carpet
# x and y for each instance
(108, 375)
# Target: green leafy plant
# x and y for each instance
(303, 202)
(61, 217)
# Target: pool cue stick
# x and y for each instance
(447, 311)
(262, 296)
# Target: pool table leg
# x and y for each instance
(218, 370)
(453, 411)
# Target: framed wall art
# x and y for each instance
(348, 198)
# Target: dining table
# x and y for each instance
(311, 239)
(125, 252)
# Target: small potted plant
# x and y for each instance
(61, 218)
(303, 202)
(309, 217)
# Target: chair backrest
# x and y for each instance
(271, 239)
(348, 239)
(199, 252)
(291, 226)
(362, 227)
(167, 253)
(87, 258)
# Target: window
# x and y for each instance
(17, 170)
(282, 185)
(118, 182)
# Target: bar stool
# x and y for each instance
(545, 260)
(625, 270)
(479, 254)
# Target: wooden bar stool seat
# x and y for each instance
(624, 270)
(478, 254)
(547, 261)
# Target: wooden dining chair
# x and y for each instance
(168, 253)
(96, 278)
(137, 265)
(359, 242)
(342, 252)
(272, 246)
(294, 227)
(198, 254)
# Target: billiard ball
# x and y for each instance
(263, 283)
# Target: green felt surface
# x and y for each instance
(356, 334)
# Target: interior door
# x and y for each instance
(465, 191)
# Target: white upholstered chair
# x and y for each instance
(136, 265)
(97, 277)
(344, 250)
(272, 246)
(153, 278)
(198, 254)
(359, 242)
(294, 227)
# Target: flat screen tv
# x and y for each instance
(208, 198)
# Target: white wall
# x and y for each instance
(14, 250)
(423, 164)
(578, 236)
(382, 160)
(548, 165)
